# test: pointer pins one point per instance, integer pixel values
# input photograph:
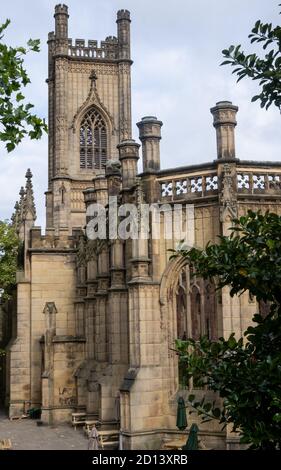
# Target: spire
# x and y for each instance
(28, 198)
(15, 218)
(21, 204)
(24, 214)
(18, 217)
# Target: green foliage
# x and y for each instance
(246, 373)
(267, 69)
(247, 378)
(9, 244)
(16, 119)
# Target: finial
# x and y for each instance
(19, 210)
(21, 193)
(28, 174)
(28, 201)
(93, 76)
(15, 218)
(123, 15)
(61, 8)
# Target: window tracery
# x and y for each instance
(93, 141)
(196, 312)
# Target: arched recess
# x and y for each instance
(188, 309)
(93, 100)
(169, 323)
(93, 138)
(92, 104)
(93, 135)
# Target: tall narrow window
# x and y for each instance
(210, 310)
(93, 141)
(196, 322)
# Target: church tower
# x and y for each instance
(89, 113)
(93, 321)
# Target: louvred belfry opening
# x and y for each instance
(93, 141)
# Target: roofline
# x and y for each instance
(211, 166)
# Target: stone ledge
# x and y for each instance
(68, 339)
(53, 251)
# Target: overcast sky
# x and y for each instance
(176, 48)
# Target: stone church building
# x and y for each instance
(93, 322)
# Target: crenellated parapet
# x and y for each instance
(112, 48)
(54, 240)
(91, 49)
(123, 15)
(61, 8)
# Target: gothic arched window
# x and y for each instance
(93, 141)
(210, 310)
(196, 306)
(181, 313)
(196, 312)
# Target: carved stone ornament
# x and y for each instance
(101, 69)
(93, 76)
(139, 200)
(81, 253)
(91, 250)
(113, 167)
(228, 197)
(124, 128)
(101, 246)
(50, 308)
(93, 99)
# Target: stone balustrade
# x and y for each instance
(189, 186)
(258, 181)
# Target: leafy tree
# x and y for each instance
(16, 118)
(9, 245)
(265, 69)
(245, 372)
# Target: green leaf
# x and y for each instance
(10, 146)
(255, 98)
(15, 118)
(19, 97)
